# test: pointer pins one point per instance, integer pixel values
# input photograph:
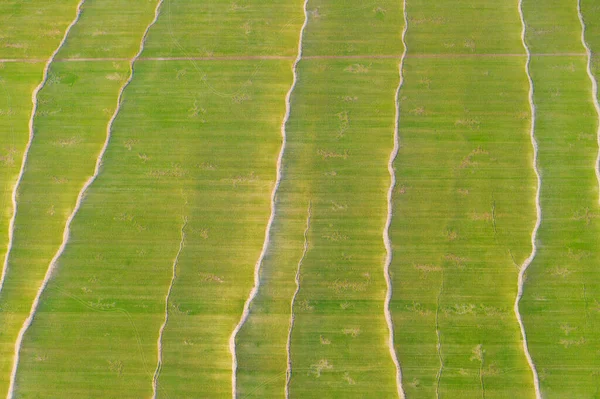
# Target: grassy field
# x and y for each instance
(160, 261)
(214, 177)
(29, 30)
(561, 292)
(339, 136)
(74, 107)
(464, 202)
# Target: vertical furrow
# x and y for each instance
(594, 88)
(82, 193)
(528, 261)
(254, 291)
(288, 372)
(438, 334)
(386, 230)
(34, 101)
(166, 319)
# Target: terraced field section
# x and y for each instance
(201, 193)
(29, 30)
(184, 186)
(74, 105)
(324, 264)
(560, 305)
(464, 203)
(31, 33)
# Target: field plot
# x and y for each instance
(29, 30)
(299, 199)
(74, 107)
(464, 202)
(190, 166)
(329, 218)
(560, 305)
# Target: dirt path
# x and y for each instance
(254, 291)
(288, 347)
(164, 324)
(538, 211)
(594, 87)
(82, 192)
(388, 222)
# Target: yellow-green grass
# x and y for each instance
(463, 27)
(225, 28)
(561, 291)
(463, 214)
(342, 134)
(30, 30)
(179, 150)
(464, 204)
(339, 138)
(33, 29)
(109, 29)
(69, 130)
(17, 83)
(354, 28)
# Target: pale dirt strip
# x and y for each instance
(167, 299)
(594, 87)
(388, 222)
(84, 189)
(288, 372)
(438, 334)
(538, 210)
(254, 291)
(34, 101)
(306, 57)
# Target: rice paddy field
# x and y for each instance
(299, 199)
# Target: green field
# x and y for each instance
(232, 239)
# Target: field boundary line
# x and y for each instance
(164, 324)
(34, 101)
(306, 57)
(538, 209)
(438, 334)
(594, 88)
(386, 230)
(82, 192)
(288, 347)
(254, 291)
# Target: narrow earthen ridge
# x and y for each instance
(34, 101)
(254, 291)
(84, 189)
(164, 324)
(538, 210)
(594, 88)
(288, 372)
(438, 334)
(388, 222)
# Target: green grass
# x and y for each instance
(70, 128)
(340, 134)
(29, 30)
(561, 292)
(226, 28)
(209, 172)
(464, 204)
(33, 29)
(195, 145)
(339, 308)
